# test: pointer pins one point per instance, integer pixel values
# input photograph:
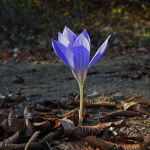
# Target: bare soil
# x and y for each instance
(44, 81)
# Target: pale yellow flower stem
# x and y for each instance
(81, 104)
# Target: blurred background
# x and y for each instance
(27, 26)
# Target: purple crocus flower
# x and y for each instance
(75, 53)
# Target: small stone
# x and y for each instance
(33, 69)
(118, 94)
(142, 49)
(143, 128)
(18, 80)
(95, 94)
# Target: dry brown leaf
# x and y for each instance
(100, 104)
(133, 146)
(133, 77)
(32, 146)
(139, 108)
(128, 105)
(32, 138)
(74, 118)
(74, 111)
(120, 123)
(66, 123)
(10, 118)
(120, 114)
(140, 100)
(82, 131)
(131, 135)
(42, 124)
(41, 108)
(63, 105)
(4, 100)
(1, 118)
(77, 102)
(101, 143)
(29, 128)
(120, 140)
(69, 146)
(48, 116)
(4, 112)
(17, 96)
(17, 125)
(11, 140)
(147, 139)
(5, 126)
(53, 135)
(27, 110)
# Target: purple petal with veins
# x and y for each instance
(62, 39)
(75, 52)
(64, 54)
(71, 37)
(99, 53)
(86, 35)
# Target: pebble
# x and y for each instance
(95, 94)
(118, 94)
(142, 49)
(18, 80)
(33, 69)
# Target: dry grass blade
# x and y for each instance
(100, 104)
(32, 138)
(53, 135)
(120, 114)
(131, 135)
(29, 128)
(11, 140)
(82, 131)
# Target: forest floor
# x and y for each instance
(115, 79)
